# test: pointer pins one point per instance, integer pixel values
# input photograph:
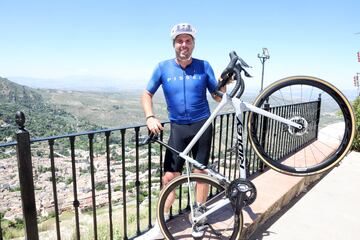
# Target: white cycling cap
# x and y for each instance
(182, 28)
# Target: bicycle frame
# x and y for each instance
(240, 108)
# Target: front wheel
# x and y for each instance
(221, 224)
(326, 117)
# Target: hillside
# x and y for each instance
(54, 112)
(107, 109)
(42, 118)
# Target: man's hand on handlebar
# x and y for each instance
(222, 83)
(154, 125)
(230, 78)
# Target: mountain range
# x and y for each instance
(81, 83)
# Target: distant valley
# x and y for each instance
(56, 112)
(106, 109)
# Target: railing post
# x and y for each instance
(1, 237)
(318, 116)
(26, 179)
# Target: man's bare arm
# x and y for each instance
(152, 122)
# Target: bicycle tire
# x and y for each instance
(328, 135)
(224, 220)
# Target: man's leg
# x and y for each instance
(173, 164)
(202, 189)
(168, 176)
(201, 152)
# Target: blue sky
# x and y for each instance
(122, 41)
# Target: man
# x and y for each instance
(185, 81)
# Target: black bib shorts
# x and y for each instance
(180, 137)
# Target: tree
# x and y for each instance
(356, 143)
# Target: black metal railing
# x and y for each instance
(102, 184)
(279, 142)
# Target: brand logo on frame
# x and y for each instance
(240, 143)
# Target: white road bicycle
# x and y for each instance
(221, 215)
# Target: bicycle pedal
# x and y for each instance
(198, 231)
(202, 227)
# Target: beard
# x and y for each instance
(184, 55)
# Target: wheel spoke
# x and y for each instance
(323, 114)
(220, 224)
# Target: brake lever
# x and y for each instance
(240, 67)
(243, 63)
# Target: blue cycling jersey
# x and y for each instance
(184, 89)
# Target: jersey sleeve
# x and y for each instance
(155, 80)
(211, 80)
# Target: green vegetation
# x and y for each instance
(42, 119)
(12, 229)
(68, 180)
(100, 186)
(142, 167)
(356, 143)
(15, 229)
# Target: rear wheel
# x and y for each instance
(327, 119)
(221, 224)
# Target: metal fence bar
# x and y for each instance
(212, 154)
(149, 187)
(231, 145)
(213, 142)
(107, 139)
(264, 133)
(137, 182)
(220, 138)
(1, 231)
(161, 157)
(318, 116)
(226, 143)
(53, 176)
(93, 184)
(76, 202)
(277, 137)
(124, 182)
(282, 132)
(248, 151)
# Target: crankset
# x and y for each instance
(241, 187)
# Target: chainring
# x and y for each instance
(239, 186)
